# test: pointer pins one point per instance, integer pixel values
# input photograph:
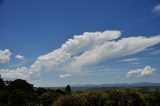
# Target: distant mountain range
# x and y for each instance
(138, 84)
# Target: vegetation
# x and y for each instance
(68, 90)
(112, 97)
(2, 85)
(20, 93)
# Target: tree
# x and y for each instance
(2, 84)
(17, 98)
(41, 90)
(60, 91)
(20, 84)
(153, 97)
(68, 90)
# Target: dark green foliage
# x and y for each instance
(60, 91)
(95, 99)
(22, 98)
(113, 97)
(2, 85)
(153, 98)
(71, 100)
(17, 97)
(2, 104)
(20, 84)
(124, 97)
(18, 93)
(21, 93)
(41, 90)
(4, 96)
(46, 99)
(68, 90)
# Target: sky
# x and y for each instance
(60, 42)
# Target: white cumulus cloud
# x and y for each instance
(5, 56)
(21, 72)
(148, 70)
(91, 48)
(88, 49)
(20, 57)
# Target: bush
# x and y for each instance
(46, 99)
(113, 97)
(153, 98)
(3, 96)
(60, 91)
(20, 97)
(71, 100)
(2, 85)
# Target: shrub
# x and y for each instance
(46, 99)
(153, 98)
(124, 97)
(20, 97)
(2, 85)
(3, 96)
(60, 91)
(113, 97)
(71, 100)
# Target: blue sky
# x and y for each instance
(32, 33)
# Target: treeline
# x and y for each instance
(21, 93)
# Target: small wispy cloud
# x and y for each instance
(130, 60)
(20, 57)
(157, 9)
(146, 71)
(64, 76)
(135, 63)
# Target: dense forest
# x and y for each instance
(21, 93)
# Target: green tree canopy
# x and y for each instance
(2, 84)
(20, 84)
